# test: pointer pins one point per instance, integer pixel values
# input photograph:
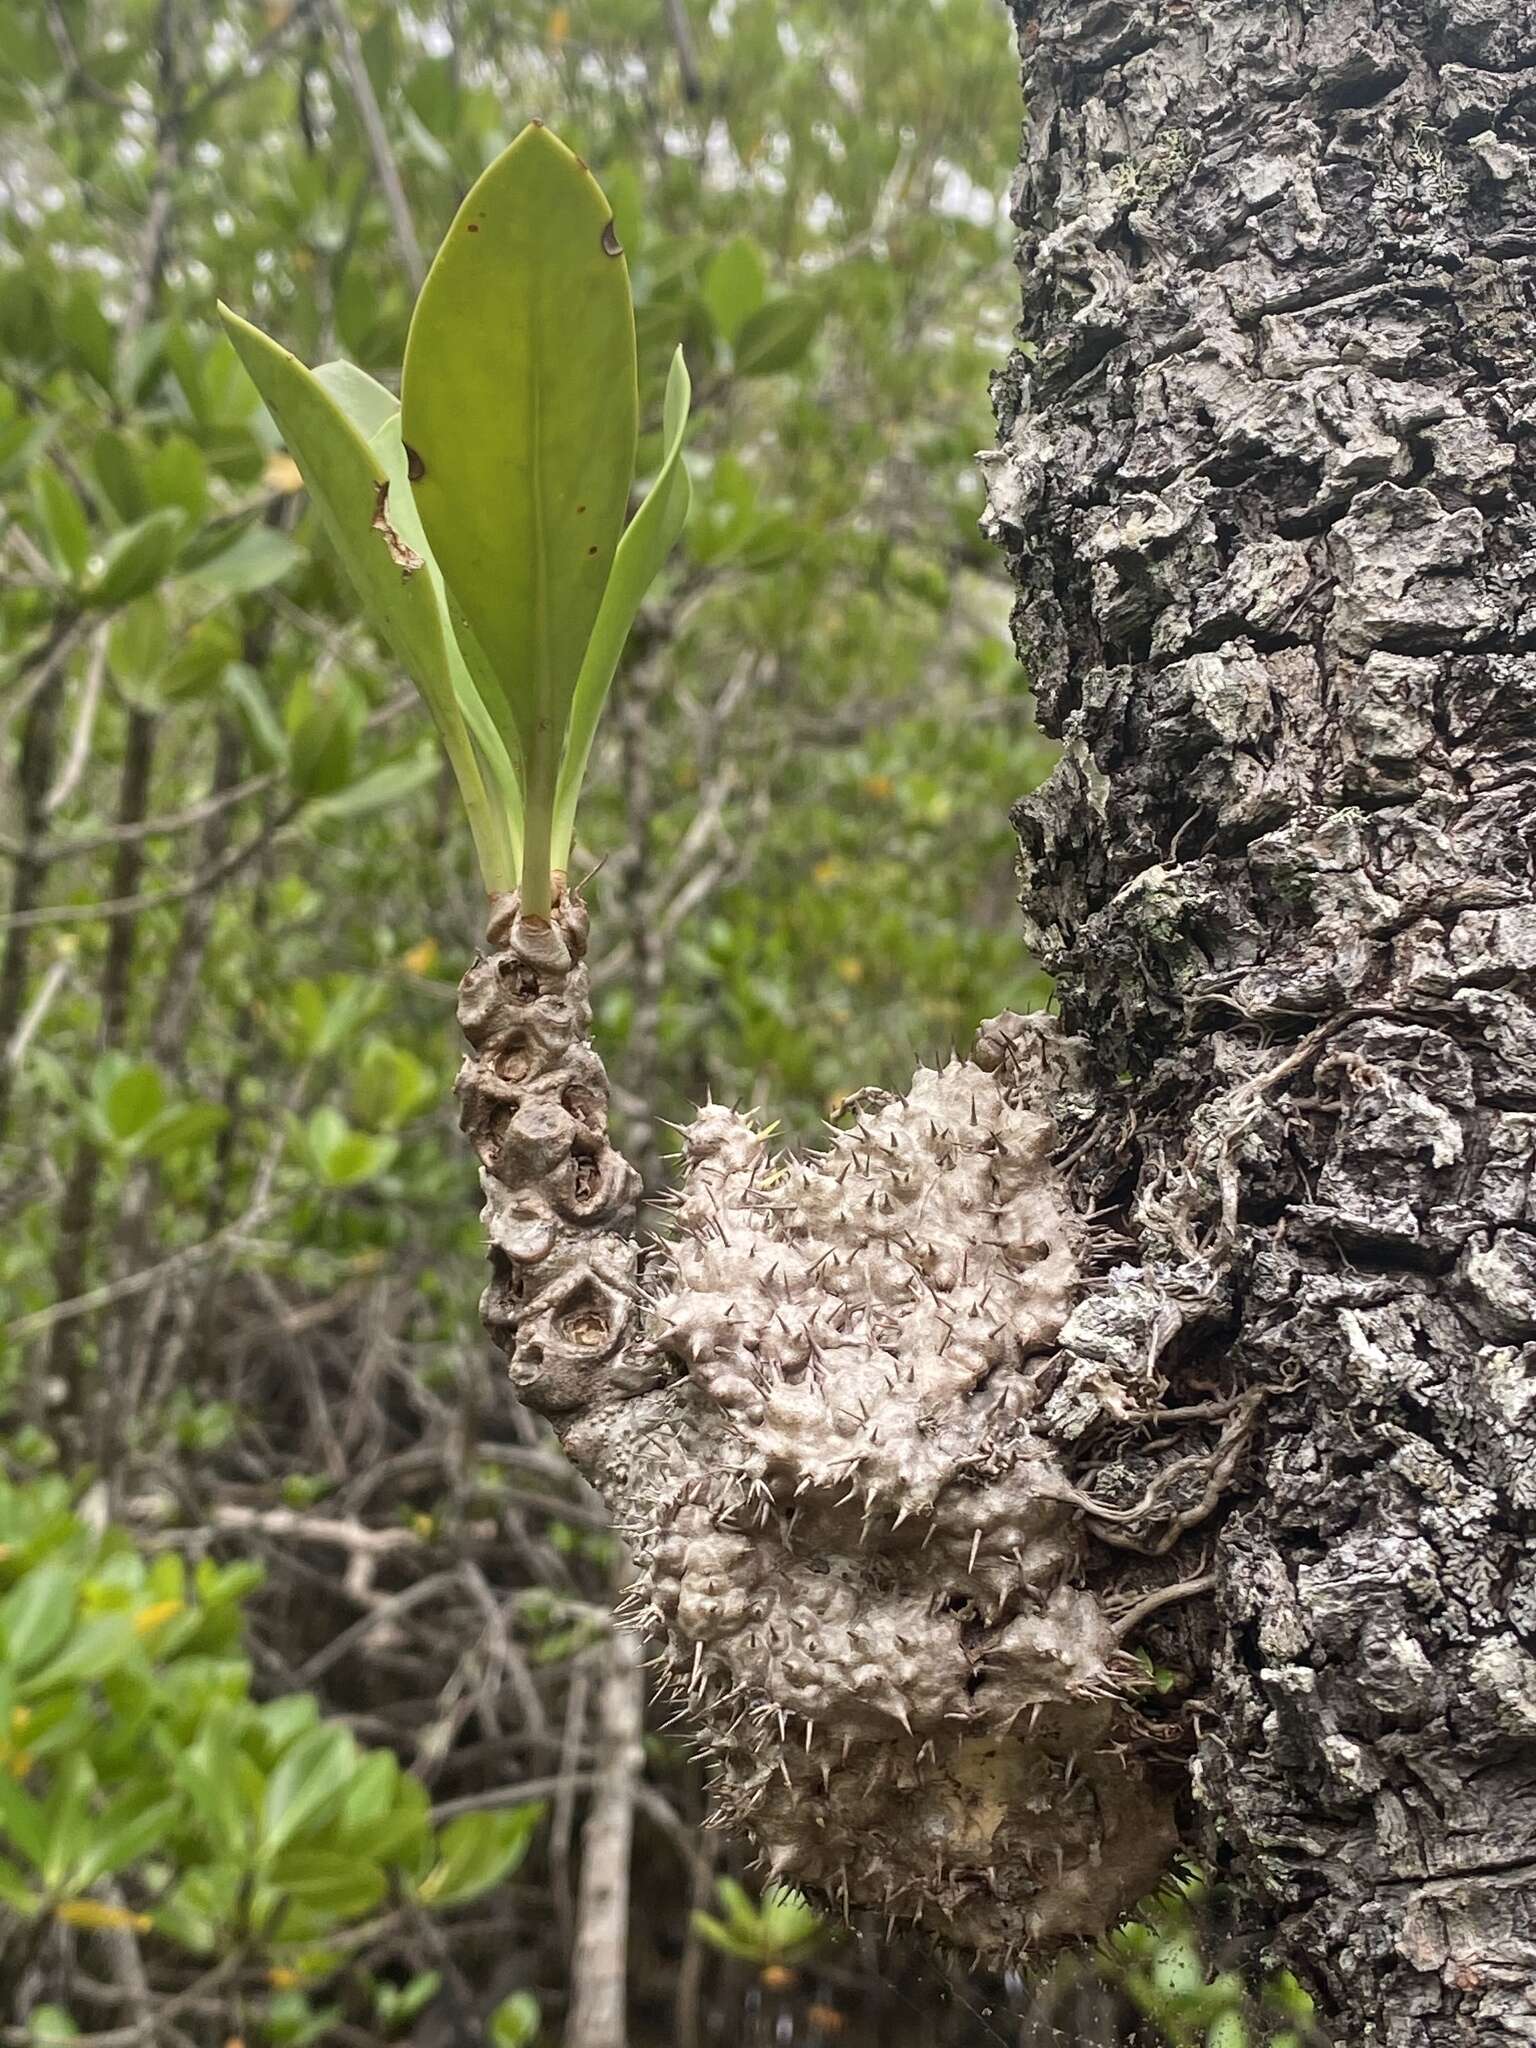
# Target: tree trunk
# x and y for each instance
(1266, 485)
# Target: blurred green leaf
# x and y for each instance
(477, 1851)
(320, 746)
(515, 2022)
(35, 1616)
(308, 1783)
(136, 559)
(63, 521)
(735, 285)
(777, 336)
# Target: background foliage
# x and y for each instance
(239, 1257)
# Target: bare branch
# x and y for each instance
(599, 1961)
(385, 167)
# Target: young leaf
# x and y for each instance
(350, 488)
(481, 704)
(519, 410)
(645, 544)
(362, 398)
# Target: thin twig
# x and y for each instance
(68, 779)
(385, 167)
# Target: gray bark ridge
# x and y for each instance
(1267, 485)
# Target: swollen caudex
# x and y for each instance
(825, 1435)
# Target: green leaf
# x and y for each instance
(329, 1881)
(35, 1616)
(390, 1085)
(134, 1099)
(86, 332)
(16, 1893)
(260, 720)
(777, 336)
(175, 475)
(346, 1158)
(201, 656)
(645, 545)
(200, 1911)
(23, 1822)
(97, 1647)
(735, 285)
(308, 1782)
(362, 398)
(67, 1818)
(63, 521)
(370, 1794)
(181, 1127)
(721, 1937)
(515, 2022)
(394, 2006)
(350, 487)
(477, 1851)
(51, 2023)
(138, 558)
(320, 747)
(520, 406)
(132, 1825)
(474, 690)
(381, 789)
(257, 557)
(118, 467)
(205, 1771)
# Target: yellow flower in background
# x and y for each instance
(420, 957)
(281, 473)
(94, 1913)
(150, 1618)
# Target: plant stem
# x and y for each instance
(488, 824)
(538, 824)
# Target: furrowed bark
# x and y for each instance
(1267, 485)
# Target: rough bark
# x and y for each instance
(850, 1415)
(1267, 486)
